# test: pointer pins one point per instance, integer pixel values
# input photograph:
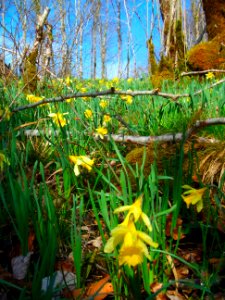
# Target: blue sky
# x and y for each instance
(140, 22)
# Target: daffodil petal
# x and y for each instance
(147, 239)
(76, 170)
(146, 220)
(122, 209)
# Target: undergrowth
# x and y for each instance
(46, 204)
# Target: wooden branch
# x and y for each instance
(202, 72)
(144, 140)
(112, 91)
(63, 98)
(172, 137)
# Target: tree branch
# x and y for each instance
(112, 91)
(171, 137)
(202, 72)
(143, 140)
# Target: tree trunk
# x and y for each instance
(211, 54)
(215, 17)
(119, 38)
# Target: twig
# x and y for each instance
(202, 72)
(143, 140)
(112, 91)
(172, 137)
(63, 98)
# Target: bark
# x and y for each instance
(103, 33)
(95, 26)
(215, 17)
(119, 38)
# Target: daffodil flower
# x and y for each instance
(68, 80)
(103, 103)
(3, 159)
(32, 98)
(132, 251)
(58, 118)
(210, 75)
(133, 242)
(106, 119)
(100, 132)
(81, 160)
(194, 197)
(88, 113)
(136, 210)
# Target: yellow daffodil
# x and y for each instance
(133, 243)
(32, 98)
(194, 196)
(210, 75)
(115, 80)
(129, 80)
(58, 118)
(100, 132)
(103, 103)
(68, 80)
(83, 90)
(3, 159)
(127, 98)
(132, 251)
(136, 210)
(5, 113)
(83, 161)
(106, 119)
(88, 113)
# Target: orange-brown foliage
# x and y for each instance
(207, 55)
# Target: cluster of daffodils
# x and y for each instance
(127, 98)
(32, 98)
(81, 161)
(194, 197)
(58, 118)
(133, 243)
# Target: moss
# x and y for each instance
(30, 72)
(151, 57)
(179, 47)
(207, 55)
(165, 72)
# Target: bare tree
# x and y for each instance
(104, 26)
(96, 6)
(119, 36)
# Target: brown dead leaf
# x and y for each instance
(177, 233)
(66, 265)
(174, 295)
(155, 287)
(97, 243)
(74, 294)
(182, 272)
(101, 289)
(31, 239)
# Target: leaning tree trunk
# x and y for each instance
(211, 54)
(29, 62)
(215, 17)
